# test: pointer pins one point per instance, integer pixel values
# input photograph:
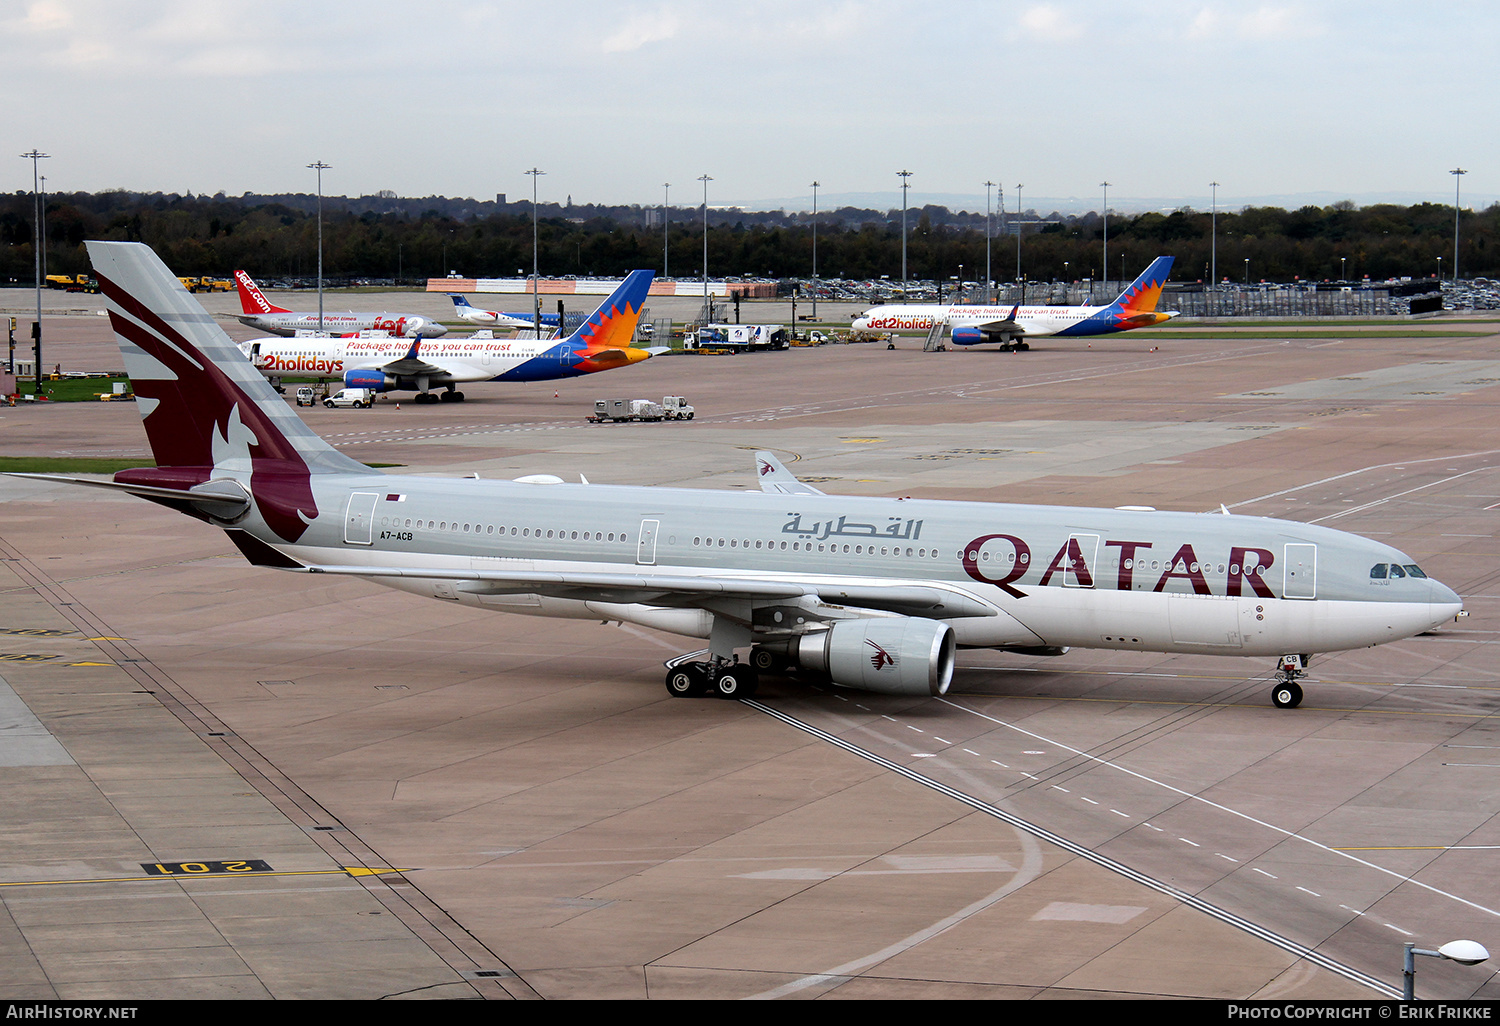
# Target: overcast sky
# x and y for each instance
(1366, 100)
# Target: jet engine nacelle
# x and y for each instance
(367, 378)
(967, 336)
(901, 655)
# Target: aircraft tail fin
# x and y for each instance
(1145, 292)
(460, 303)
(612, 326)
(252, 300)
(208, 413)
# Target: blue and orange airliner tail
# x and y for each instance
(1136, 306)
(604, 340)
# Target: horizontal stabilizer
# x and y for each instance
(776, 478)
(224, 498)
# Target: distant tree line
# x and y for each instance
(387, 237)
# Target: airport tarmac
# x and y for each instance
(1096, 825)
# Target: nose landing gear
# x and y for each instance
(1288, 693)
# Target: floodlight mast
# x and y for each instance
(904, 175)
(536, 299)
(36, 253)
(1457, 174)
(320, 167)
(1213, 260)
(1106, 236)
(705, 178)
(815, 251)
(989, 280)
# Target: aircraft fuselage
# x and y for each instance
(1017, 576)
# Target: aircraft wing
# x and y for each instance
(1009, 325)
(848, 596)
(681, 591)
(413, 366)
(776, 478)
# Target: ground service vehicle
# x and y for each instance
(671, 407)
(736, 337)
(364, 398)
(306, 395)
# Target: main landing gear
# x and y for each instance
(450, 396)
(722, 678)
(1288, 693)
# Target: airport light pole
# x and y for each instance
(666, 205)
(1106, 236)
(45, 268)
(1018, 242)
(536, 299)
(989, 279)
(904, 175)
(1457, 174)
(36, 254)
(320, 167)
(705, 179)
(1213, 259)
(815, 251)
(1464, 952)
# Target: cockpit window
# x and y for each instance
(1396, 570)
(1377, 572)
(1412, 570)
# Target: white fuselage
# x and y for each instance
(1017, 576)
(461, 359)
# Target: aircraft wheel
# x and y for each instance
(735, 681)
(456, 397)
(686, 681)
(1025, 347)
(1287, 695)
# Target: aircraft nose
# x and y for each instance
(1445, 602)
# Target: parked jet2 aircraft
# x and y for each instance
(260, 312)
(1011, 326)
(468, 312)
(602, 342)
(871, 593)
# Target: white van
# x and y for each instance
(364, 398)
